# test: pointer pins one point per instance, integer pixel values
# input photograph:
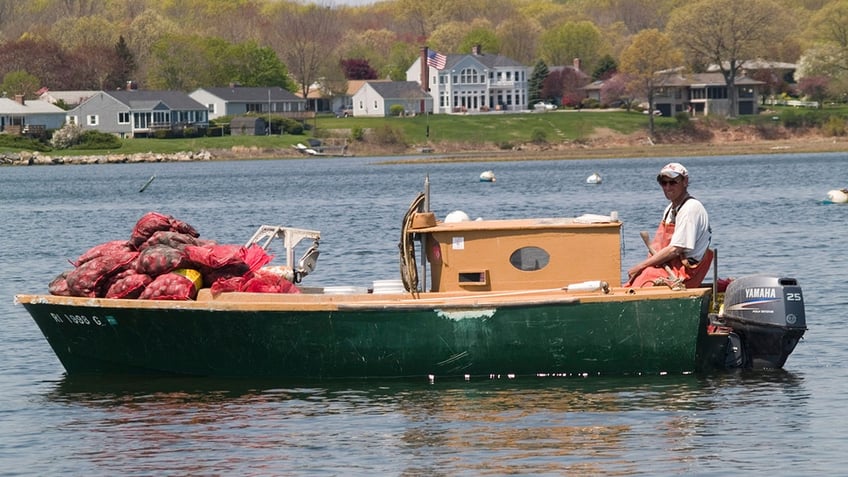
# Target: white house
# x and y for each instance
(475, 82)
(376, 98)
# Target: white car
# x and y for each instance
(543, 106)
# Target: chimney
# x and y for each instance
(476, 50)
(19, 98)
(424, 78)
(576, 63)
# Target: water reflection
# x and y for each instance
(535, 426)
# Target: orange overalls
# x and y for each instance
(691, 274)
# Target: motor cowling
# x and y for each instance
(767, 313)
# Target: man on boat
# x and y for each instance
(679, 252)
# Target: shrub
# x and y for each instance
(539, 136)
(396, 110)
(67, 136)
(97, 140)
(389, 136)
(357, 133)
(834, 126)
(13, 141)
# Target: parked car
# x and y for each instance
(344, 112)
(543, 106)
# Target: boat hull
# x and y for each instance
(381, 339)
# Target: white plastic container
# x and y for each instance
(384, 287)
(344, 290)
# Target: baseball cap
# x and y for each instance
(673, 170)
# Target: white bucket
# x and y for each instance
(344, 290)
(384, 287)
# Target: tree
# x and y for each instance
(357, 69)
(536, 81)
(647, 62)
(726, 33)
(483, 37)
(815, 88)
(20, 82)
(563, 86)
(616, 89)
(518, 37)
(607, 67)
(306, 38)
(126, 67)
(561, 45)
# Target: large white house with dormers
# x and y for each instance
(474, 82)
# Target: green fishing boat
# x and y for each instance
(484, 298)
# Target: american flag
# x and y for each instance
(436, 60)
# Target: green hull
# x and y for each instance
(609, 337)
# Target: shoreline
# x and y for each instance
(598, 148)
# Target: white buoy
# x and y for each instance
(487, 176)
(595, 178)
(838, 196)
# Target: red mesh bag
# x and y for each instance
(107, 248)
(170, 238)
(170, 286)
(127, 284)
(159, 259)
(263, 281)
(88, 279)
(153, 222)
(59, 285)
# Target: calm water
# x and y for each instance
(766, 215)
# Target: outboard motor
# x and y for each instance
(767, 317)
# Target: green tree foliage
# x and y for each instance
(560, 46)
(20, 82)
(537, 79)
(188, 62)
(607, 67)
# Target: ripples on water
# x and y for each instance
(766, 215)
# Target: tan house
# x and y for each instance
(698, 94)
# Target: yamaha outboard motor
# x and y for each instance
(767, 315)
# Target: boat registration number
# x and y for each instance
(76, 319)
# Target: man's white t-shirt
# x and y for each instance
(691, 228)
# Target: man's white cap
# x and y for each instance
(673, 170)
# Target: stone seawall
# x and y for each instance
(40, 159)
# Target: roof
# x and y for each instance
(398, 89)
(758, 64)
(252, 93)
(69, 97)
(144, 99)
(489, 61)
(707, 79)
(30, 106)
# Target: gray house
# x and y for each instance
(21, 116)
(376, 98)
(237, 100)
(137, 113)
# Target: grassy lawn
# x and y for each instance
(494, 128)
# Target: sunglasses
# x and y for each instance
(663, 182)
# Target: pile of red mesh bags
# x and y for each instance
(164, 259)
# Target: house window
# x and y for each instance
(161, 117)
(253, 107)
(375, 104)
(71, 119)
(211, 108)
(91, 120)
(124, 118)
